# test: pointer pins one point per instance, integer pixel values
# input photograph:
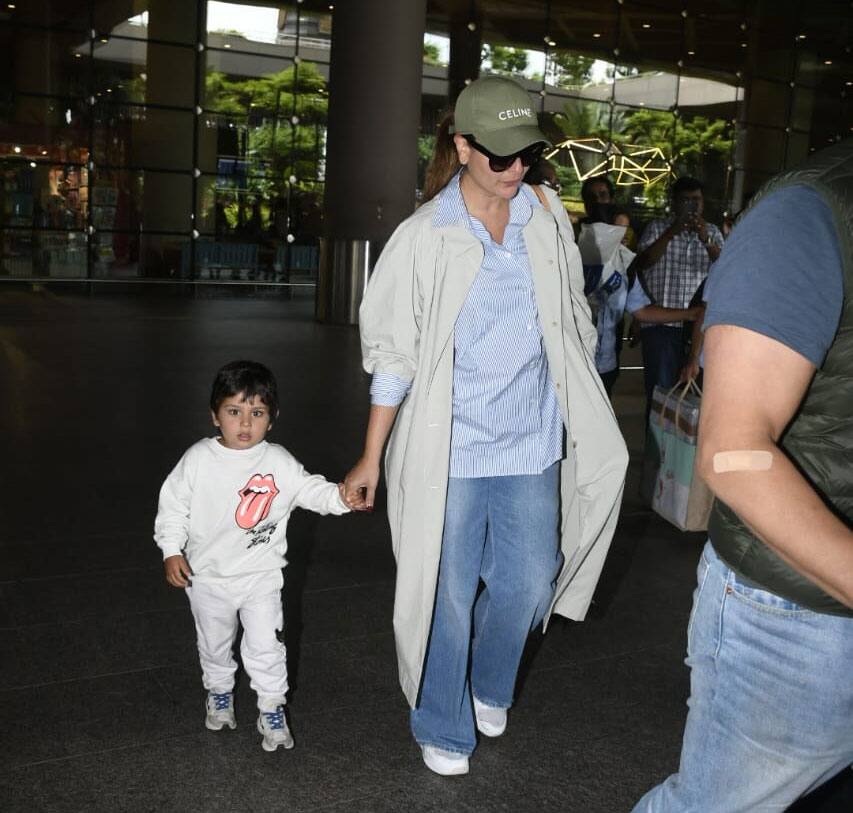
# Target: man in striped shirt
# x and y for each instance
(673, 257)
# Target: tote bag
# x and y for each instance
(680, 496)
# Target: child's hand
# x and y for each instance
(351, 502)
(177, 571)
(360, 485)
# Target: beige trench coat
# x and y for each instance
(407, 317)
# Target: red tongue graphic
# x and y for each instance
(255, 500)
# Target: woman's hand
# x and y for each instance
(360, 485)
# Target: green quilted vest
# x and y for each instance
(820, 438)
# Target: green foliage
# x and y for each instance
(274, 147)
(688, 144)
(571, 69)
(432, 54)
(504, 59)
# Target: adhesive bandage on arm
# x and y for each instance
(742, 460)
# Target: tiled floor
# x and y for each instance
(100, 696)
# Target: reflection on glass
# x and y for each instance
(243, 25)
(37, 194)
(642, 88)
(270, 127)
(131, 21)
(250, 231)
(52, 14)
(41, 61)
(768, 102)
(41, 253)
(140, 72)
(45, 129)
(142, 136)
(135, 200)
(118, 255)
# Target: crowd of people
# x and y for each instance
(505, 466)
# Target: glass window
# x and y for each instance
(141, 200)
(43, 253)
(644, 88)
(132, 71)
(644, 139)
(797, 149)
(802, 110)
(53, 14)
(233, 82)
(163, 20)
(38, 194)
(768, 103)
(765, 149)
(39, 128)
(43, 61)
(143, 137)
(130, 21)
(119, 255)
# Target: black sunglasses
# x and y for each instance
(501, 163)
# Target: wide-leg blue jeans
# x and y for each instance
(771, 700)
(505, 531)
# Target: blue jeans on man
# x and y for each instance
(505, 531)
(771, 700)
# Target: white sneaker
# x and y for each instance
(273, 726)
(444, 763)
(220, 711)
(491, 721)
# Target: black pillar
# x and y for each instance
(371, 154)
(466, 45)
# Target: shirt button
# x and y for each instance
(530, 327)
(558, 385)
(554, 323)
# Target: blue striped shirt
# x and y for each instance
(506, 419)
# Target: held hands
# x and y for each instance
(178, 571)
(359, 486)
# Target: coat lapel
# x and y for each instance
(459, 261)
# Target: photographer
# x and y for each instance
(674, 255)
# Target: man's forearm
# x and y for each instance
(784, 511)
(653, 252)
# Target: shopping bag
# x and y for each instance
(680, 495)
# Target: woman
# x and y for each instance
(505, 463)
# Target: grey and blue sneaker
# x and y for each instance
(220, 711)
(273, 726)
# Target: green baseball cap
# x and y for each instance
(499, 113)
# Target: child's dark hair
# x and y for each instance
(249, 378)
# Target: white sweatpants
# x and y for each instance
(256, 601)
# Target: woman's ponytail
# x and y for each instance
(444, 163)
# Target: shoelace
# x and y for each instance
(222, 701)
(275, 719)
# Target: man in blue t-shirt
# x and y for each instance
(771, 705)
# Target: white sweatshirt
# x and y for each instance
(226, 509)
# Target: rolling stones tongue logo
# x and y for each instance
(255, 500)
